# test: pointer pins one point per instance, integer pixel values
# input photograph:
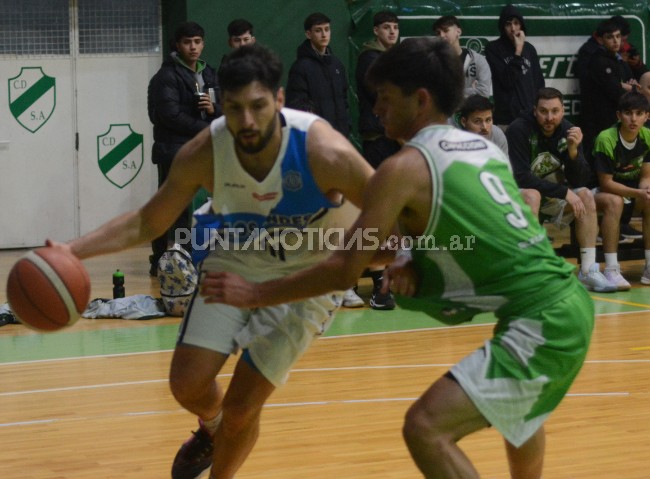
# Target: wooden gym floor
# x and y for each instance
(92, 401)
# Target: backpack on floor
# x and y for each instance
(178, 279)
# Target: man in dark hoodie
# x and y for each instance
(516, 72)
(317, 78)
(549, 165)
(178, 113)
(606, 77)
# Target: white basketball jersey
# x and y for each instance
(266, 229)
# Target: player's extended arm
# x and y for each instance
(342, 268)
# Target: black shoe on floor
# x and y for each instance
(195, 455)
(380, 301)
(628, 232)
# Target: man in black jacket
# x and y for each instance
(317, 80)
(516, 72)
(545, 151)
(181, 101)
(605, 78)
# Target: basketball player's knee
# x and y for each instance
(612, 204)
(419, 426)
(186, 389)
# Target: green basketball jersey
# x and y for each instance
(482, 250)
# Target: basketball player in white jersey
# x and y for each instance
(269, 170)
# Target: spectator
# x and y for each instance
(318, 76)
(605, 78)
(516, 72)
(240, 32)
(478, 78)
(376, 146)
(177, 115)
(629, 52)
(549, 165)
(475, 115)
(622, 161)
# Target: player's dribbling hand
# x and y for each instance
(228, 288)
(400, 277)
(55, 244)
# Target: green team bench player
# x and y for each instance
(622, 162)
(447, 183)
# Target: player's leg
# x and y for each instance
(435, 423)
(611, 208)
(240, 424)
(587, 224)
(527, 461)
(192, 382)
(586, 233)
(206, 339)
(644, 208)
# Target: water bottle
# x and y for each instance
(118, 284)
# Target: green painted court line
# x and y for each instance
(129, 340)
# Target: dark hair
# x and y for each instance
(315, 19)
(189, 30)
(607, 26)
(474, 103)
(623, 23)
(239, 27)
(422, 62)
(548, 93)
(383, 17)
(250, 63)
(444, 22)
(633, 100)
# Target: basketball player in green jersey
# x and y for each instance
(477, 248)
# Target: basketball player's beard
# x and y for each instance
(265, 138)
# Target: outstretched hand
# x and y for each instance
(228, 288)
(400, 277)
(65, 247)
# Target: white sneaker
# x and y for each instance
(351, 299)
(594, 280)
(645, 277)
(614, 276)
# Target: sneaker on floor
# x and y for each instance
(351, 299)
(594, 280)
(195, 455)
(645, 277)
(614, 276)
(380, 301)
(628, 232)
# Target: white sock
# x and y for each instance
(211, 425)
(611, 260)
(647, 257)
(587, 258)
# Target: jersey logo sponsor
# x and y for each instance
(234, 185)
(471, 145)
(266, 196)
(292, 181)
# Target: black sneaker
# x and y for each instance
(195, 455)
(628, 232)
(380, 301)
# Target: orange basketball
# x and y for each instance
(48, 289)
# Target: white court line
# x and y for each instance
(293, 371)
(270, 405)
